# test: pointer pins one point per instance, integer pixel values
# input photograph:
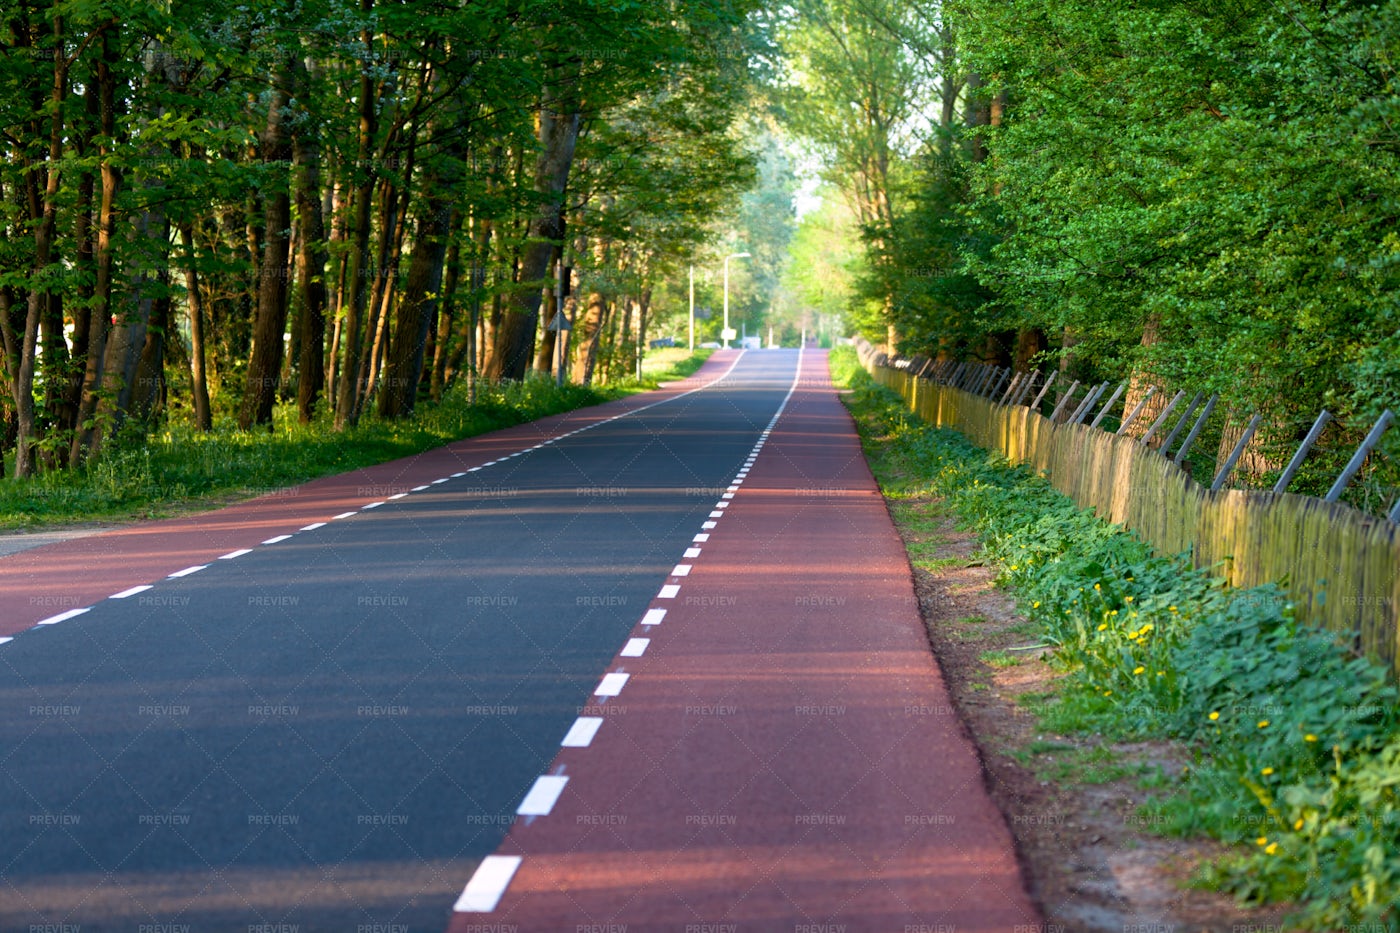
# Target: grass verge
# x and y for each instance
(177, 469)
(1295, 742)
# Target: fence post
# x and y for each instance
(1186, 416)
(1011, 389)
(1109, 406)
(1161, 419)
(1035, 406)
(1054, 415)
(1302, 452)
(1088, 404)
(1137, 410)
(1001, 381)
(1185, 447)
(1026, 388)
(1235, 454)
(1354, 465)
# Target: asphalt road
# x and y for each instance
(331, 730)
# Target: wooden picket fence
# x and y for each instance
(1340, 566)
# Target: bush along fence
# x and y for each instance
(1340, 565)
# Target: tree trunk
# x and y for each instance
(404, 369)
(558, 133)
(199, 378)
(270, 325)
(100, 318)
(353, 303)
(311, 288)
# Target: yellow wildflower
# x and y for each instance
(1267, 771)
(1263, 724)
(1272, 848)
(1139, 669)
(1309, 738)
(1214, 716)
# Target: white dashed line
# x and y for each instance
(692, 552)
(473, 469)
(653, 616)
(397, 495)
(187, 571)
(314, 525)
(635, 648)
(459, 475)
(717, 514)
(238, 553)
(542, 797)
(372, 505)
(418, 488)
(681, 570)
(488, 884)
(611, 684)
(729, 495)
(707, 525)
(701, 538)
(5, 639)
(437, 482)
(63, 616)
(581, 733)
(131, 592)
(336, 518)
(277, 540)
(668, 591)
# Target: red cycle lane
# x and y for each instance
(48, 581)
(774, 749)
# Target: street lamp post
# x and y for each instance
(727, 331)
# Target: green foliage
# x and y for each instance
(1298, 740)
(179, 467)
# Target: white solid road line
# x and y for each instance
(488, 884)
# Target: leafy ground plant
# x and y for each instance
(1296, 740)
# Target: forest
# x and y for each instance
(336, 208)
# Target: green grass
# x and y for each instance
(1296, 741)
(176, 469)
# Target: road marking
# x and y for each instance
(458, 475)
(336, 518)
(187, 571)
(438, 481)
(722, 504)
(717, 514)
(372, 505)
(635, 648)
(277, 540)
(473, 469)
(314, 525)
(4, 639)
(729, 495)
(692, 552)
(418, 488)
(611, 684)
(238, 553)
(732, 489)
(653, 616)
(63, 616)
(397, 495)
(488, 884)
(542, 797)
(668, 591)
(581, 733)
(701, 538)
(707, 525)
(681, 570)
(131, 592)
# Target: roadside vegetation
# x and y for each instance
(1294, 741)
(179, 468)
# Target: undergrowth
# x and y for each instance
(1296, 741)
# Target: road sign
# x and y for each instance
(728, 333)
(559, 322)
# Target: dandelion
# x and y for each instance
(1263, 724)
(1214, 716)
(1096, 587)
(1262, 841)
(1139, 669)
(1298, 824)
(1272, 848)
(1101, 627)
(1171, 609)
(1267, 771)
(1127, 599)
(1161, 673)
(1108, 693)
(1036, 604)
(1309, 738)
